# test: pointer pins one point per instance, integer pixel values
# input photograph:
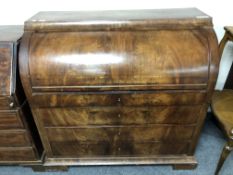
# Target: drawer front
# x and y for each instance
(15, 154)
(10, 119)
(115, 134)
(14, 138)
(119, 115)
(137, 98)
(76, 149)
(4, 103)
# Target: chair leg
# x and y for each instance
(225, 152)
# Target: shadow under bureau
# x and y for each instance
(119, 87)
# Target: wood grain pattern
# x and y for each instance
(9, 38)
(115, 134)
(86, 150)
(14, 138)
(17, 142)
(128, 98)
(5, 69)
(83, 61)
(16, 155)
(213, 73)
(222, 108)
(119, 115)
(10, 119)
(118, 20)
(4, 102)
(121, 91)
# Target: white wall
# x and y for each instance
(17, 11)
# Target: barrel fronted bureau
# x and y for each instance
(119, 87)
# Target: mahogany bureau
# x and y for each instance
(19, 141)
(119, 87)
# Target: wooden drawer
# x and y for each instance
(114, 134)
(119, 115)
(4, 103)
(10, 119)
(136, 98)
(14, 138)
(15, 154)
(76, 149)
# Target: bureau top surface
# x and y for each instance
(117, 19)
(10, 33)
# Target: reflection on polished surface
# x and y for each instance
(90, 59)
(188, 70)
(94, 71)
(151, 58)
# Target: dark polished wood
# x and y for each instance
(120, 98)
(119, 87)
(14, 138)
(10, 119)
(105, 149)
(18, 143)
(120, 133)
(117, 60)
(118, 20)
(5, 69)
(18, 155)
(76, 116)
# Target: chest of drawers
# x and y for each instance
(119, 87)
(19, 140)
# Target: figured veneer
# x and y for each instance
(18, 155)
(76, 116)
(120, 98)
(10, 119)
(119, 87)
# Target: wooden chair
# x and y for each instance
(222, 105)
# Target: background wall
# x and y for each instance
(16, 12)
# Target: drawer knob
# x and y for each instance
(119, 149)
(11, 105)
(119, 115)
(119, 99)
(119, 133)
